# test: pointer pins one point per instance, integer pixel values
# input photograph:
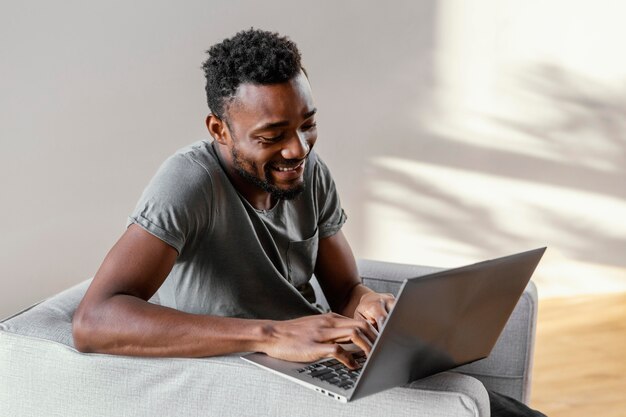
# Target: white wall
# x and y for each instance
(523, 144)
(454, 133)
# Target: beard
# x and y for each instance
(266, 184)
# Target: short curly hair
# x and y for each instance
(251, 56)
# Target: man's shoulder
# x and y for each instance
(194, 165)
(188, 173)
(197, 156)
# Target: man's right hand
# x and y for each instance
(311, 338)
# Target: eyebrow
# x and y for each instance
(283, 123)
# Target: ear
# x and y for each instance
(217, 128)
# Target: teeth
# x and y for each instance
(285, 169)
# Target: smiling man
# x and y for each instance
(230, 231)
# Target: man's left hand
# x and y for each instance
(374, 308)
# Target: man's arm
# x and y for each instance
(115, 317)
(337, 273)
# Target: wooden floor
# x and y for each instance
(580, 357)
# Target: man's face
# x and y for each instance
(271, 132)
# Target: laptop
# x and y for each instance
(440, 321)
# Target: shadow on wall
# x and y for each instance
(586, 132)
(550, 172)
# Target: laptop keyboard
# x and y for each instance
(334, 372)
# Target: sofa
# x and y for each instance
(42, 374)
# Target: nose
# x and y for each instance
(295, 148)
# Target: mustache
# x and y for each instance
(290, 163)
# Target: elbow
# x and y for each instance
(82, 332)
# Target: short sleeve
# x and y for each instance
(176, 204)
(331, 216)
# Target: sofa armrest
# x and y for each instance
(43, 377)
(508, 368)
(42, 374)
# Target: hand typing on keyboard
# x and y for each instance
(311, 338)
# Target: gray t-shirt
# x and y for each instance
(234, 260)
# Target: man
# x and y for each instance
(237, 225)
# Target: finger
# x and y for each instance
(351, 347)
(339, 353)
(367, 330)
(363, 325)
(390, 303)
(380, 320)
(376, 313)
(344, 335)
(358, 338)
(370, 324)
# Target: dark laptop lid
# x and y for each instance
(446, 319)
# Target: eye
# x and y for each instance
(272, 139)
(309, 126)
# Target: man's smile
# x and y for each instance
(284, 168)
(289, 172)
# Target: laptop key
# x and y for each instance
(327, 376)
(345, 385)
(317, 374)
